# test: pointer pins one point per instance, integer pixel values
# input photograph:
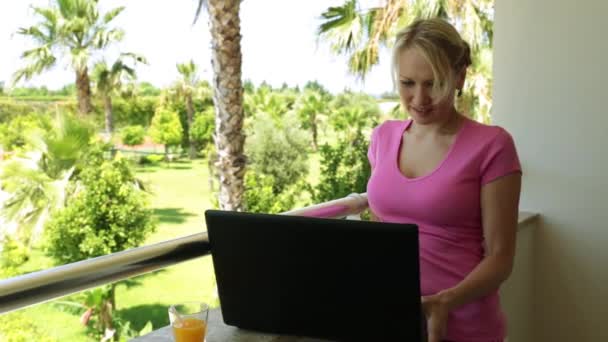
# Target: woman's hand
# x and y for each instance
(436, 311)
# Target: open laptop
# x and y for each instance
(334, 279)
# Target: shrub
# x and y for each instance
(278, 151)
(18, 327)
(14, 133)
(134, 111)
(107, 213)
(132, 135)
(13, 254)
(166, 128)
(344, 169)
(260, 197)
(201, 133)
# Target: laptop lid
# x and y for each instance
(328, 278)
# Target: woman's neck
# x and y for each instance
(448, 126)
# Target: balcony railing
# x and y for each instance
(42, 286)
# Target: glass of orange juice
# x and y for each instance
(189, 321)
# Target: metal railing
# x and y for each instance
(45, 285)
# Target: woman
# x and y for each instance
(457, 179)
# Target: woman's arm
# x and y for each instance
(499, 209)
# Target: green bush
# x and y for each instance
(201, 133)
(14, 133)
(108, 213)
(344, 169)
(18, 327)
(11, 108)
(151, 159)
(260, 197)
(166, 128)
(134, 110)
(278, 151)
(13, 254)
(132, 135)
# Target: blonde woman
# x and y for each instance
(457, 179)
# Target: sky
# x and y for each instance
(279, 44)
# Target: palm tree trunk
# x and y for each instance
(190, 111)
(228, 101)
(107, 106)
(83, 91)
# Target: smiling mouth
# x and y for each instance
(423, 110)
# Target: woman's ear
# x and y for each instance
(460, 76)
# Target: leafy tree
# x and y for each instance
(166, 128)
(265, 100)
(107, 213)
(73, 29)
(186, 87)
(353, 113)
(312, 106)
(279, 151)
(260, 195)
(14, 134)
(360, 33)
(67, 90)
(110, 79)
(37, 180)
(148, 89)
(344, 169)
(201, 133)
(137, 110)
(133, 135)
(173, 98)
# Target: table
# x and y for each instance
(220, 332)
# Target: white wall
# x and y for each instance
(551, 93)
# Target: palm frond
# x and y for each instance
(113, 13)
(40, 59)
(343, 27)
(137, 58)
(199, 9)
(102, 38)
(361, 61)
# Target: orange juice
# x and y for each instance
(189, 330)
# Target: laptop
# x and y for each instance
(333, 279)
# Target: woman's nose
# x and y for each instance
(421, 96)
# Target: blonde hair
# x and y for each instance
(443, 48)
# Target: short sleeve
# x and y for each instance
(372, 150)
(500, 158)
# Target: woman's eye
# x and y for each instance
(407, 83)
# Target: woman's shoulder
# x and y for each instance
(389, 126)
(487, 133)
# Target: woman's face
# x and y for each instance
(416, 89)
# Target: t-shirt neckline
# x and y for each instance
(406, 125)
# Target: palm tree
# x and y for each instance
(360, 33)
(37, 181)
(186, 86)
(110, 79)
(310, 107)
(227, 86)
(73, 29)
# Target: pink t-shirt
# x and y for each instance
(445, 204)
